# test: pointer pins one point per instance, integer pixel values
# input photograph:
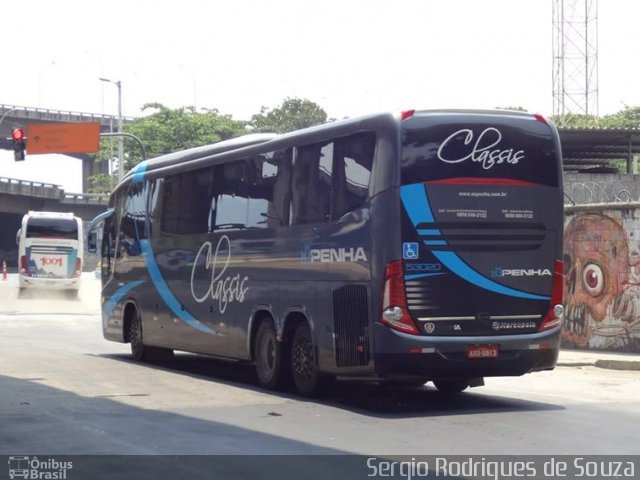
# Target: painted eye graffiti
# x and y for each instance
(593, 279)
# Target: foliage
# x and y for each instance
(293, 114)
(101, 183)
(168, 130)
(576, 120)
(629, 117)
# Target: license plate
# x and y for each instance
(482, 351)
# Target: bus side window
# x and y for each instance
(268, 190)
(311, 184)
(229, 200)
(352, 164)
(133, 219)
(171, 205)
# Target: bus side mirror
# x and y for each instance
(92, 241)
(18, 234)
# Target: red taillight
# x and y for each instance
(540, 118)
(554, 315)
(406, 114)
(395, 313)
(24, 270)
(77, 270)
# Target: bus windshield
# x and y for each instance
(520, 151)
(66, 228)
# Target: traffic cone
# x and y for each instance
(4, 270)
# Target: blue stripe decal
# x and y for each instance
(430, 232)
(457, 266)
(421, 275)
(110, 305)
(415, 201)
(138, 172)
(165, 292)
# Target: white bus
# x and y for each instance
(50, 251)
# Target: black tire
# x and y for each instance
(270, 367)
(141, 352)
(451, 386)
(304, 365)
(134, 334)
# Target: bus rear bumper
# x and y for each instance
(49, 283)
(446, 357)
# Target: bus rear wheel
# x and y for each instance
(270, 366)
(304, 365)
(451, 386)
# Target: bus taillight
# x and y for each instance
(395, 313)
(540, 118)
(406, 114)
(77, 270)
(24, 270)
(556, 309)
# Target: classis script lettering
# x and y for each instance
(479, 149)
(223, 288)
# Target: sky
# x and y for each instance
(352, 57)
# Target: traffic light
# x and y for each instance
(19, 144)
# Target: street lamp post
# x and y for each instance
(120, 137)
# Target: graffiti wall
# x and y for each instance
(602, 280)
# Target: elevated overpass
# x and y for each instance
(19, 196)
(16, 116)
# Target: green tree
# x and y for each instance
(168, 130)
(629, 117)
(576, 120)
(293, 114)
(101, 183)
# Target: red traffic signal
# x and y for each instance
(17, 134)
(19, 144)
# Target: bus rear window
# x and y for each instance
(52, 228)
(502, 148)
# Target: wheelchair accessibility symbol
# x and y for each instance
(410, 250)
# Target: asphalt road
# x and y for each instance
(64, 390)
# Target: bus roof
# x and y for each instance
(254, 139)
(33, 213)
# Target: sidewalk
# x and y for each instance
(611, 360)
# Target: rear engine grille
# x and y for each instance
(350, 323)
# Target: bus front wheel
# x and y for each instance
(135, 337)
(140, 351)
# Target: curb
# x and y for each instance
(608, 364)
(618, 364)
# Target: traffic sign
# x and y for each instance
(63, 137)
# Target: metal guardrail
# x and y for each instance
(61, 115)
(14, 186)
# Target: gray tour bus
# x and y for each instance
(420, 247)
